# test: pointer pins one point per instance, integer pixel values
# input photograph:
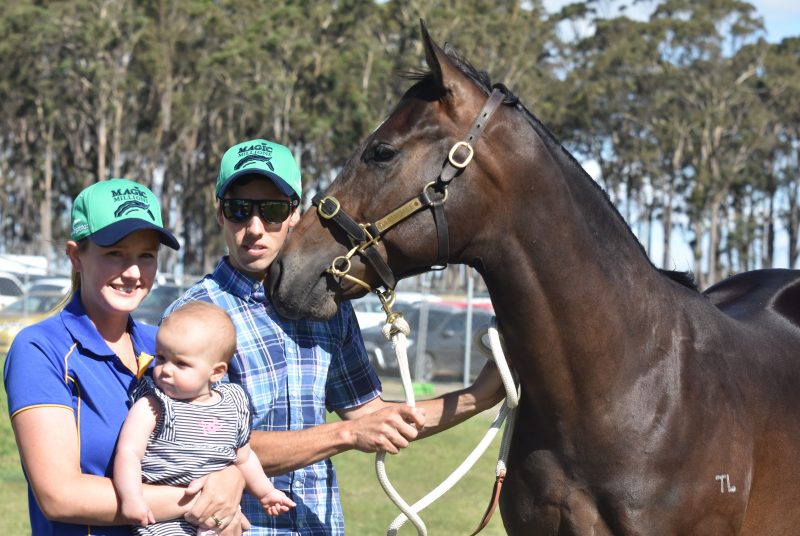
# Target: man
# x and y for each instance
(295, 370)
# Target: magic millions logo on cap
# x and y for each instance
(131, 202)
(253, 155)
(127, 206)
(131, 199)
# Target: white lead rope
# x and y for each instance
(397, 332)
(399, 329)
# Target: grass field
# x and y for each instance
(413, 472)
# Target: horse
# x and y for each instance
(647, 407)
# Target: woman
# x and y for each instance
(69, 377)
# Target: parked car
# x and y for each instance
(370, 313)
(153, 305)
(25, 311)
(444, 343)
(51, 283)
(11, 288)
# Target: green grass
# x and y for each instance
(13, 489)
(414, 472)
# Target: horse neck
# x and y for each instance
(566, 277)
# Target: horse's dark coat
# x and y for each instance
(647, 407)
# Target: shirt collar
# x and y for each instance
(238, 283)
(85, 333)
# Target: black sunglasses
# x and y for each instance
(270, 210)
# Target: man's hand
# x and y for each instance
(388, 429)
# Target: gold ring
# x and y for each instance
(217, 522)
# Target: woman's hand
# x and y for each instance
(217, 505)
(236, 527)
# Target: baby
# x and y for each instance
(180, 428)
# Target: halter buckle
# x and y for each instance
(467, 159)
(328, 215)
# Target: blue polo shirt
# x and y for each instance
(63, 361)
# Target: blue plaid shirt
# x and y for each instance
(293, 371)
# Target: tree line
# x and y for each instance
(692, 117)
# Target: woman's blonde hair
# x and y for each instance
(75, 278)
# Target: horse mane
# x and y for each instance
(685, 279)
(481, 79)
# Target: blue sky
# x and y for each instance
(781, 17)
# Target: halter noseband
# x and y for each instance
(365, 235)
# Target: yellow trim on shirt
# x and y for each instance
(20, 410)
(143, 361)
(66, 357)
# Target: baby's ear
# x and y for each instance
(218, 371)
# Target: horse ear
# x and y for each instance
(443, 70)
(431, 56)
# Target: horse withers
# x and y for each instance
(647, 407)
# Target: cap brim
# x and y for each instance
(111, 234)
(281, 184)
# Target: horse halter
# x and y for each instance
(365, 235)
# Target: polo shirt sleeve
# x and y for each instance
(36, 372)
(352, 380)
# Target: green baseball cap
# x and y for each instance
(260, 157)
(108, 211)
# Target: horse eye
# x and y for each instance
(382, 153)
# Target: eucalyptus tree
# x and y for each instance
(608, 106)
(181, 68)
(100, 38)
(29, 92)
(780, 87)
(703, 39)
(341, 93)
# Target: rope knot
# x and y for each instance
(395, 324)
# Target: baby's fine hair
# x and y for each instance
(220, 327)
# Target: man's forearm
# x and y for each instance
(453, 408)
(447, 411)
(282, 452)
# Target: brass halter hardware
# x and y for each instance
(452, 154)
(340, 267)
(325, 215)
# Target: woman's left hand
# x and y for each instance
(217, 505)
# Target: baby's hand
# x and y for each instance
(136, 511)
(276, 502)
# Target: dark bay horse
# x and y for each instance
(647, 407)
